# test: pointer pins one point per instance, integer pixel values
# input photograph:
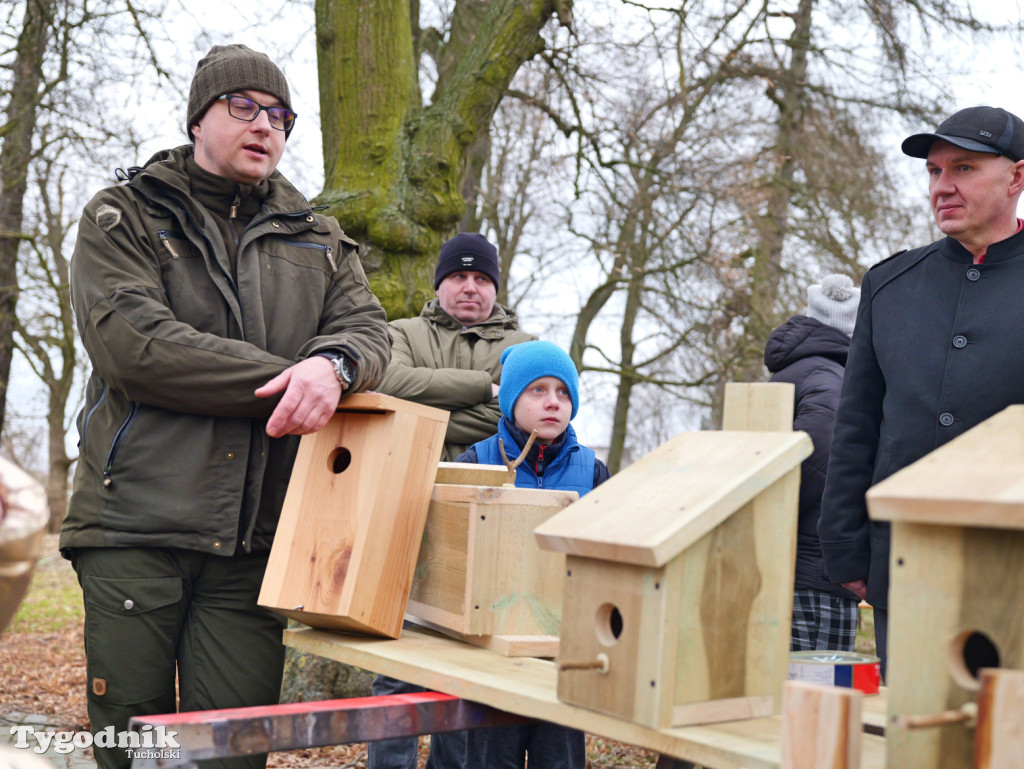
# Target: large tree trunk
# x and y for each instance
(394, 170)
(15, 155)
(773, 225)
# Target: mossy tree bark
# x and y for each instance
(27, 89)
(394, 167)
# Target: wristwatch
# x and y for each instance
(343, 369)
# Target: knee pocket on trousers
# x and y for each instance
(131, 633)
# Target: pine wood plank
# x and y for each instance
(463, 473)
(541, 646)
(759, 406)
(737, 601)
(689, 486)
(999, 735)
(974, 480)
(527, 686)
(821, 727)
(439, 582)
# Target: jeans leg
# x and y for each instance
(399, 753)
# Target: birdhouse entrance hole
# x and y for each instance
(971, 651)
(339, 460)
(608, 624)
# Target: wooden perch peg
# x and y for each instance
(511, 479)
(601, 664)
(966, 715)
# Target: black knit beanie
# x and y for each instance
(468, 251)
(230, 68)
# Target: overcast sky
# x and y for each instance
(286, 33)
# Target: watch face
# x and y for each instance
(344, 369)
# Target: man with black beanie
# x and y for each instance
(936, 348)
(450, 356)
(223, 319)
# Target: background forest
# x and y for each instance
(662, 181)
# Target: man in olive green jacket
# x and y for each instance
(450, 356)
(223, 318)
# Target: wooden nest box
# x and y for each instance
(345, 548)
(679, 578)
(480, 576)
(957, 569)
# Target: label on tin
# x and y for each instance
(812, 674)
(835, 668)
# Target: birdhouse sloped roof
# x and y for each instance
(976, 480)
(656, 508)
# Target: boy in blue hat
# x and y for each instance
(539, 391)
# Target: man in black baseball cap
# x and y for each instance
(936, 347)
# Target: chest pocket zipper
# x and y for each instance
(328, 251)
(164, 236)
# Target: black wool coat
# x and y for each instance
(811, 355)
(938, 348)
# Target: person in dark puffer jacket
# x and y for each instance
(810, 352)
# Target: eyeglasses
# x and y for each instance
(242, 108)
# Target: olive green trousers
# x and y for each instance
(154, 614)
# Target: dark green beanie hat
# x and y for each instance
(231, 68)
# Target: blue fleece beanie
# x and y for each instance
(527, 362)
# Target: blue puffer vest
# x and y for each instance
(571, 470)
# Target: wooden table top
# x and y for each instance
(527, 685)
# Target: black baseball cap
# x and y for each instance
(979, 129)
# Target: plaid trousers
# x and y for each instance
(823, 621)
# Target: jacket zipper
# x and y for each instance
(232, 221)
(164, 236)
(88, 416)
(328, 251)
(116, 444)
(227, 277)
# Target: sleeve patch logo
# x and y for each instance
(107, 217)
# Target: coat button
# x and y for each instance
(231, 454)
(276, 224)
(973, 274)
(129, 604)
(959, 342)
(217, 545)
(945, 419)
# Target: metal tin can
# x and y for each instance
(833, 668)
